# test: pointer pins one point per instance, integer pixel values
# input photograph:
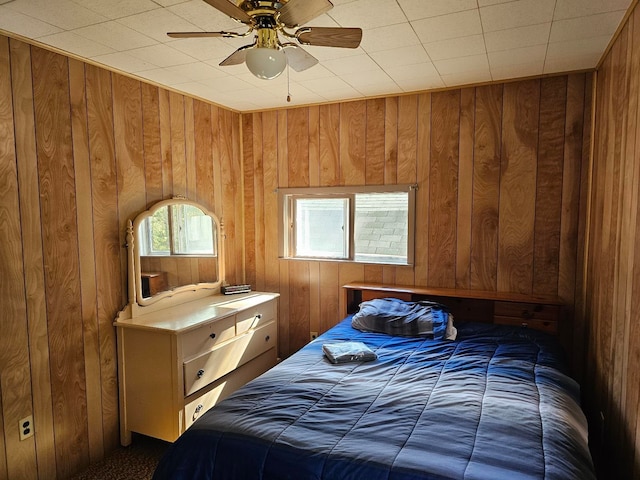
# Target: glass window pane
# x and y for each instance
(320, 227)
(381, 227)
(157, 231)
(192, 231)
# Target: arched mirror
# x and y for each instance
(174, 247)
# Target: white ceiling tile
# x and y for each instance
(124, 62)
(516, 14)
(322, 21)
(299, 95)
(72, 43)
(466, 78)
(362, 79)
(163, 76)
(585, 27)
(204, 16)
(401, 56)
(578, 62)
(227, 84)
(517, 37)
(577, 48)
(196, 71)
(198, 89)
(416, 76)
(531, 55)
(254, 81)
(484, 3)
(326, 53)
(113, 9)
(579, 8)
(462, 24)
(168, 3)
(61, 13)
(24, 25)
(456, 47)
(379, 89)
(368, 14)
(389, 37)
(115, 35)
(420, 84)
(156, 23)
(417, 9)
(330, 83)
(474, 63)
(516, 71)
(313, 73)
(203, 49)
(161, 55)
(359, 63)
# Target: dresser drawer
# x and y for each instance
(255, 316)
(549, 326)
(225, 358)
(205, 337)
(527, 311)
(195, 405)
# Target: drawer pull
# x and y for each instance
(197, 411)
(524, 325)
(200, 373)
(212, 335)
(256, 319)
(267, 338)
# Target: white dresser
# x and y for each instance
(175, 363)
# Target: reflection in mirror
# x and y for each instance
(177, 230)
(177, 244)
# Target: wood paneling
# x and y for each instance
(14, 354)
(82, 150)
(612, 283)
(474, 154)
(518, 175)
(58, 205)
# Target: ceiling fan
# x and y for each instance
(270, 20)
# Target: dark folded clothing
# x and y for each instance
(342, 352)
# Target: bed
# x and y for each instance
(494, 403)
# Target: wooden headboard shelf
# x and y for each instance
(531, 311)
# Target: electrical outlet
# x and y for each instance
(26, 427)
(313, 335)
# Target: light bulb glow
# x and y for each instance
(266, 63)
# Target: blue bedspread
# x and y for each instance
(493, 404)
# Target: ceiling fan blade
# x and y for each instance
(230, 9)
(330, 36)
(196, 34)
(237, 57)
(298, 58)
(299, 12)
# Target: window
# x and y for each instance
(360, 224)
(181, 230)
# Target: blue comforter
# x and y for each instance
(494, 404)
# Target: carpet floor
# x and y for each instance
(135, 462)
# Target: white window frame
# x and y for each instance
(286, 219)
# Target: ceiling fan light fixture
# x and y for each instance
(266, 63)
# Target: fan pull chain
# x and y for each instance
(288, 85)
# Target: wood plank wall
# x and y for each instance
(81, 151)
(500, 172)
(612, 296)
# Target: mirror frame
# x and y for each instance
(195, 290)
